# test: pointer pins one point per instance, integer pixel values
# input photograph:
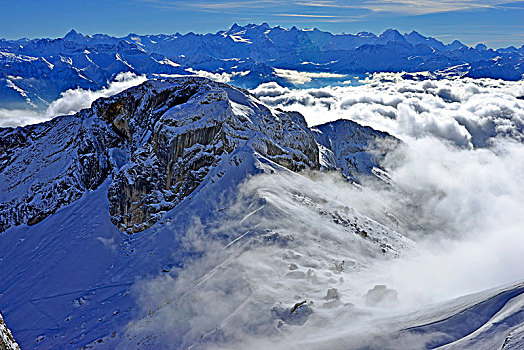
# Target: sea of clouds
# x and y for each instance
(467, 112)
(464, 212)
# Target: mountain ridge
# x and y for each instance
(89, 205)
(33, 72)
(158, 141)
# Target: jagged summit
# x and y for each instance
(46, 68)
(73, 35)
(157, 143)
(354, 149)
(391, 35)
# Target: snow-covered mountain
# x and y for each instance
(157, 142)
(353, 149)
(34, 72)
(185, 213)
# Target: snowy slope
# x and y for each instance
(490, 319)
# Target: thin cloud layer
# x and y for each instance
(74, 100)
(20, 117)
(467, 112)
(408, 7)
(70, 102)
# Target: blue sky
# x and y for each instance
(494, 22)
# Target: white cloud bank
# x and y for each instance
(468, 112)
(299, 78)
(20, 117)
(69, 102)
(74, 100)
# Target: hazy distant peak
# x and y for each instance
(73, 35)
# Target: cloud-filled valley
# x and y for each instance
(467, 112)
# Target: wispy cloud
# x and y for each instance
(320, 4)
(224, 5)
(411, 7)
(211, 6)
(304, 15)
(333, 8)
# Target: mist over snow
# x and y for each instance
(455, 192)
(69, 102)
(459, 207)
(467, 112)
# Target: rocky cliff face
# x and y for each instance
(183, 130)
(157, 142)
(354, 149)
(7, 342)
(47, 166)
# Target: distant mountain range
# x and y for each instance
(33, 72)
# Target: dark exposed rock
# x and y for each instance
(352, 148)
(381, 295)
(7, 342)
(296, 315)
(47, 166)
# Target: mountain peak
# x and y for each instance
(391, 32)
(456, 45)
(235, 26)
(415, 34)
(73, 35)
(390, 35)
(187, 144)
(481, 47)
